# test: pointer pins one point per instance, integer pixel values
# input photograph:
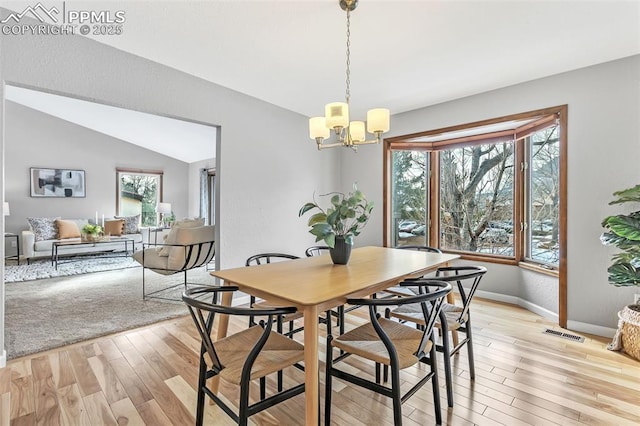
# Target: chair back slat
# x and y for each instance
(420, 248)
(203, 314)
(259, 259)
(470, 275)
(430, 302)
(316, 251)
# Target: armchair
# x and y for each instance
(184, 249)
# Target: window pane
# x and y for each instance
(409, 188)
(139, 194)
(543, 196)
(476, 199)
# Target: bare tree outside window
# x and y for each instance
(410, 197)
(543, 193)
(476, 198)
(493, 190)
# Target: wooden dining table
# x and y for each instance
(314, 285)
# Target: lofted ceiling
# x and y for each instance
(404, 54)
(161, 134)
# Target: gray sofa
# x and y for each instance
(32, 249)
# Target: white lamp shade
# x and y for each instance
(336, 114)
(5, 208)
(318, 128)
(164, 208)
(356, 130)
(378, 120)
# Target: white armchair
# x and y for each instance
(184, 249)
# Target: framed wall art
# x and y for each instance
(63, 183)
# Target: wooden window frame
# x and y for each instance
(420, 141)
(158, 173)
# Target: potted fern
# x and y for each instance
(340, 222)
(623, 232)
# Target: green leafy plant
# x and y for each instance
(345, 217)
(623, 232)
(91, 229)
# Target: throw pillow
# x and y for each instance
(130, 223)
(114, 227)
(44, 228)
(171, 238)
(67, 229)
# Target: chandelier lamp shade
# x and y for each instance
(347, 133)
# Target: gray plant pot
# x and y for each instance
(341, 252)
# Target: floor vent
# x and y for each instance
(572, 337)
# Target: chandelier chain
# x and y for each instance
(348, 90)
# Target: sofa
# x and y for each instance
(38, 240)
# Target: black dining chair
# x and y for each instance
(398, 290)
(453, 318)
(392, 344)
(317, 251)
(266, 258)
(240, 358)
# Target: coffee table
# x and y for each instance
(55, 256)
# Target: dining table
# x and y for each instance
(314, 285)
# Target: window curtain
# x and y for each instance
(204, 195)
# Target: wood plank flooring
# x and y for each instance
(148, 376)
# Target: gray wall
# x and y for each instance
(266, 164)
(36, 139)
(603, 152)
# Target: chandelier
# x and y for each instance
(336, 118)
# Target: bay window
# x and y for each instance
(491, 190)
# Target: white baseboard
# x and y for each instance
(578, 326)
(3, 359)
(584, 327)
(514, 300)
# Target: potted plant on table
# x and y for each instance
(623, 232)
(91, 232)
(342, 220)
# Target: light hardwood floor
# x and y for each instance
(148, 376)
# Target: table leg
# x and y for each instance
(311, 366)
(223, 326)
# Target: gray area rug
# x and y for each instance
(42, 269)
(45, 314)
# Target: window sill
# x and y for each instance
(539, 269)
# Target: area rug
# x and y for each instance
(42, 269)
(45, 314)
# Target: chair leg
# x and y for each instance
(446, 354)
(396, 396)
(378, 372)
(143, 284)
(243, 409)
(327, 382)
(202, 382)
(341, 318)
(263, 387)
(279, 374)
(434, 382)
(472, 368)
